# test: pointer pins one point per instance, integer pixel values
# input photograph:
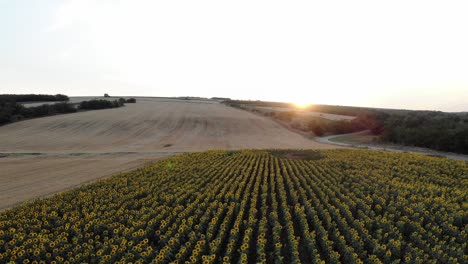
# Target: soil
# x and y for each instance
(47, 155)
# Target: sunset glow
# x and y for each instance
(340, 53)
(301, 105)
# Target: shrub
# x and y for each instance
(100, 104)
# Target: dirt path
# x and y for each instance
(47, 155)
(393, 148)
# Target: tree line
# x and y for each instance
(12, 111)
(33, 97)
(101, 104)
(429, 129)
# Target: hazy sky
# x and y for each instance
(398, 54)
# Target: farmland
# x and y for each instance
(301, 112)
(352, 206)
(51, 154)
(148, 126)
(434, 130)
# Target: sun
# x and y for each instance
(301, 104)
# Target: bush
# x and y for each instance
(316, 128)
(100, 104)
(12, 112)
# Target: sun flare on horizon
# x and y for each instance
(301, 104)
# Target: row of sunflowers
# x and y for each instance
(348, 206)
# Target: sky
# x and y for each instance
(392, 54)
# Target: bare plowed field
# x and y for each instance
(51, 154)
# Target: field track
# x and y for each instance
(47, 155)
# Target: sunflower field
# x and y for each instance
(253, 206)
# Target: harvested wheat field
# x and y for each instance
(46, 155)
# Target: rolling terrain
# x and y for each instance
(303, 112)
(366, 140)
(46, 155)
(149, 126)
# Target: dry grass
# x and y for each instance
(306, 113)
(363, 137)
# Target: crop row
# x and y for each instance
(351, 206)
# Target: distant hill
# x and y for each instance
(430, 129)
